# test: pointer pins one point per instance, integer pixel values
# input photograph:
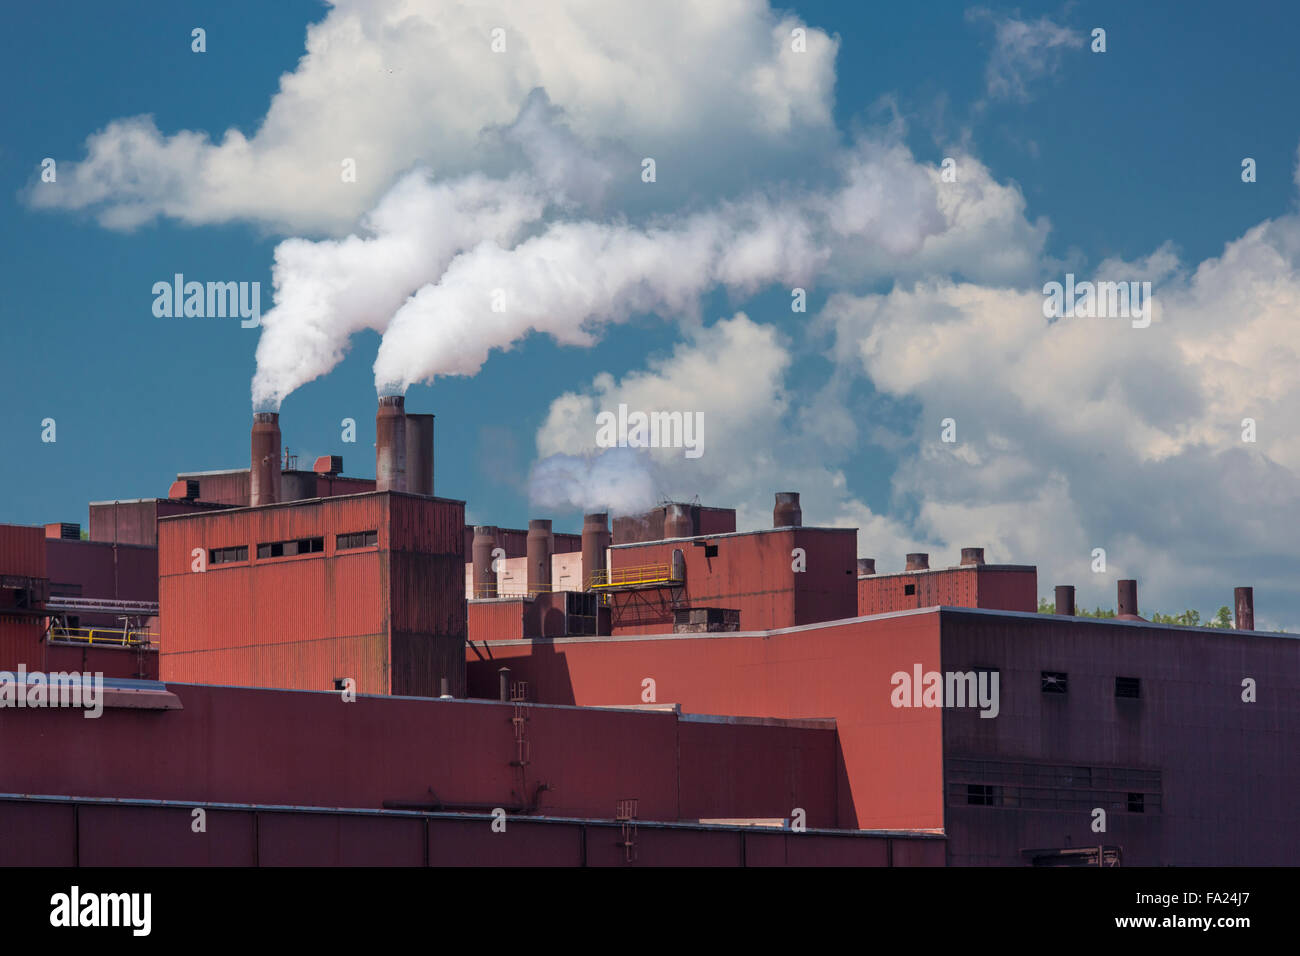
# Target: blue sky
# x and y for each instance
(1128, 162)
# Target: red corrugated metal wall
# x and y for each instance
(891, 757)
(280, 622)
(293, 748)
(752, 573)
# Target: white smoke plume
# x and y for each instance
(577, 277)
(620, 481)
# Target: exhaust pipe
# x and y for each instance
(264, 466)
(390, 444)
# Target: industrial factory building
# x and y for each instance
(340, 670)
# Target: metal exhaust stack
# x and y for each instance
(419, 454)
(786, 513)
(264, 464)
(1127, 598)
(866, 567)
(485, 579)
(677, 522)
(972, 557)
(1065, 599)
(541, 544)
(595, 542)
(390, 444)
(1244, 599)
(918, 561)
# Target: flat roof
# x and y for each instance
(302, 502)
(955, 567)
(733, 534)
(840, 622)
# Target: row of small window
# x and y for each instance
(984, 795)
(282, 549)
(1058, 682)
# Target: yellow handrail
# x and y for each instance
(104, 635)
(626, 577)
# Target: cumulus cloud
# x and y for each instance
(1085, 432)
(396, 83)
(734, 373)
(1024, 51)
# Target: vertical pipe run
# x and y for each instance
(419, 454)
(264, 464)
(541, 544)
(1065, 599)
(1127, 598)
(390, 444)
(503, 679)
(595, 542)
(485, 579)
(1244, 611)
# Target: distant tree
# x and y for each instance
(1189, 618)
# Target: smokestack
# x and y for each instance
(541, 544)
(918, 561)
(1244, 599)
(677, 522)
(264, 467)
(485, 579)
(503, 680)
(1127, 599)
(1065, 599)
(419, 454)
(866, 566)
(972, 557)
(787, 513)
(595, 539)
(390, 444)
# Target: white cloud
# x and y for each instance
(1084, 433)
(1024, 52)
(396, 83)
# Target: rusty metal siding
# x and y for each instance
(1227, 775)
(1007, 589)
(752, 573)
(98, 569)
(65, 833)
(827, 589)
(22, 550)
(839, 670)
(498, 620)
(997, 587)
(296, 622)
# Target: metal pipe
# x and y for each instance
(390, 444)
(1065, 599)
(264, 464)
(1244, 601)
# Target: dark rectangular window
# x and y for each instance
(1137, 803)
(909, 588)
(284, 549)
(1128, 687)
(227, 555)
(979, 795)
(1055, 682)
(358, 539)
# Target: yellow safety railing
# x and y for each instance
(104, 635)
(628, 577)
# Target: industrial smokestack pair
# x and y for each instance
(403, 448)
(403, 452)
